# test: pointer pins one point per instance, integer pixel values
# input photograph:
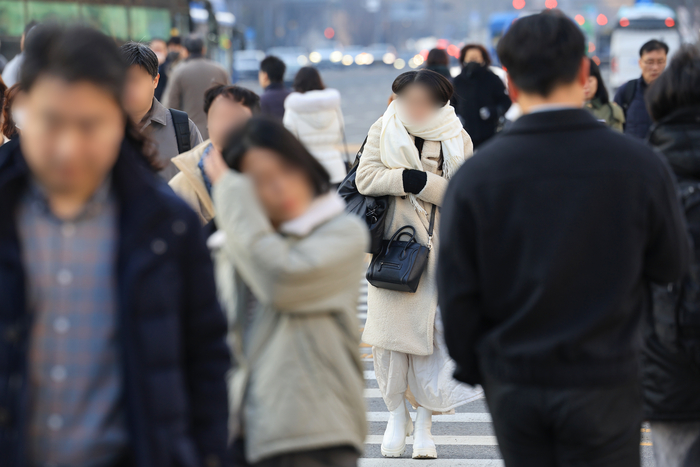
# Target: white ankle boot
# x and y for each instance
(423, 443)
(397, 429)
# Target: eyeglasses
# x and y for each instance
(661, 62)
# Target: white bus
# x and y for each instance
(635, 26)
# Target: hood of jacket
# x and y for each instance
(678, 137)
(317, 108)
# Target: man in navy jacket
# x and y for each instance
(112, 343)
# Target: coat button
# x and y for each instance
(179, 227)
(158, 246)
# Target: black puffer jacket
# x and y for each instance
(671, 380)
(480, 99)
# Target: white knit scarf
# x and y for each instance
(398, 151)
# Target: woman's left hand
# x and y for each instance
(215, 166)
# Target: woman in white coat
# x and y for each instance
(410, 358)
(312, 113)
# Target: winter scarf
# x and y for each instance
(398, 151)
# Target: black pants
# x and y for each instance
(566, 427)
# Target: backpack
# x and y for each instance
(369, 208)
(628, 94)
(676, 308)
(181, 123)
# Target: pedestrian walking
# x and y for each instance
(190, 79)
(439, 62)
(289, 260)
(630, 96)
(13, 112)
(171, 130)
(672, 352)
(410, 154)
(551, 234)
(227, 108)
(271, 78)
(160, 48)
(480, 97)
(10, 74)
(313, 114)
(113, 346)
(598, 101)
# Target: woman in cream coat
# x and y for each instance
(288, 262)
(410, 358)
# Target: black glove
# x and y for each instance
(414, 181)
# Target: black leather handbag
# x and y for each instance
(400, 264)
(371, 209)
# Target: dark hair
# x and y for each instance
(80, 53)
(602, 92)
(678, 86)
(440, 87)
(542, 51)
(308, 79)
(3, 89)
(135, 53)
(274, 67)
(437, 57)
(9, 129)
(175, 40)
(484, 53)
(263, 132)
(194, 44)
(28, 27)
(652, 46)
(239, 94)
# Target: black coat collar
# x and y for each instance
(677, 136)
(555, 120)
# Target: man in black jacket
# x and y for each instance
(112, 343)
(550, 235)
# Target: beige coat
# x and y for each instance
(189, 184)
(401, 321)
(298, 383)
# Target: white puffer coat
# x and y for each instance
(316, 119)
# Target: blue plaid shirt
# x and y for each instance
(76, 417)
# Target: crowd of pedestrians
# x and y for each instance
(180, 280)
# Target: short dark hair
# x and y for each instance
(652, 46)
(175, 40)
(136, 53)
(28, 27)
(542, 51)
(484, 53)
(274, 67)
(239, 94)
(263, 132)
(194, 44)
(437, 57)
(678, 86)
(440, 87)
(308, 79)
(79, 53)
(9, 128)
(602, 92)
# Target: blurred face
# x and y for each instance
(590, 88)
(73, 136)
(160, 48)
(263, 79)
(225, 115)
(474, 55)
(140, 88)
(284, 190)
(416, 105)
(652, 64)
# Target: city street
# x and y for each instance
(465, 438)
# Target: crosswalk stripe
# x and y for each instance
(372, 393)
(362, 316)
(370, 374)
(432, 463)
(445, 440)
(454, 418)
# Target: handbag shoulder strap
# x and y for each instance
(431, 227)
